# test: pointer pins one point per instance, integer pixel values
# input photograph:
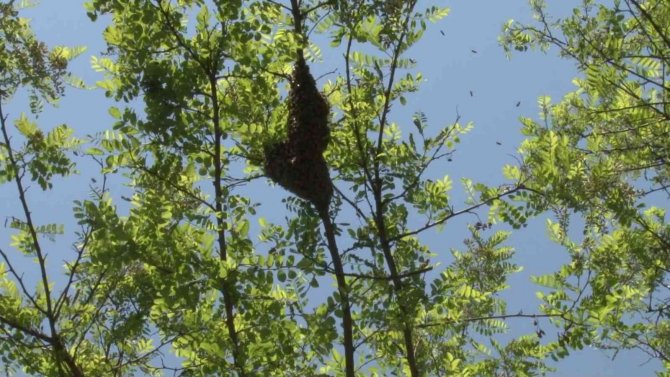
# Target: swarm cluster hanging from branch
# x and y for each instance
(297, 163)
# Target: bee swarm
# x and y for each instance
(297, 164)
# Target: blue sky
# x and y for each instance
(452, 71)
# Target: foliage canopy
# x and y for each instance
(192, 274)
